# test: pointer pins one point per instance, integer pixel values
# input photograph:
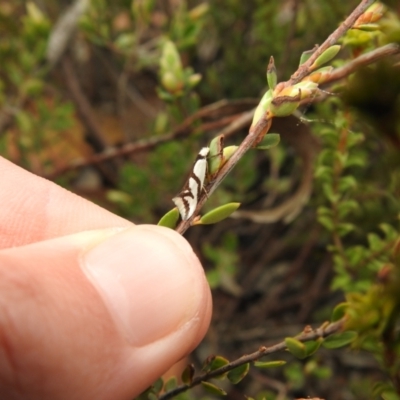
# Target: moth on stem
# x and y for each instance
(262, 123)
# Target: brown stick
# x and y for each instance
(143, 145)
(262, 126)
(323, 331)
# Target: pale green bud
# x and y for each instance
(272, 77)
(262, 107)
(326, 56)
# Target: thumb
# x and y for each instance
(99, 314)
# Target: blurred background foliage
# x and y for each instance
(91, 80)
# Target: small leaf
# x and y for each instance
(268, 364)
(238, 373)
(213, 389)
(152, 396)
(339, 339)
(306, 55)
(324, 212)
(212, 363)
(390, 395)
(270, 140)
(283, 106)
(171, 383)
(344, 228)
(157, 386)
(218, 362)
(326, 56)
(262, 106)
(187, 374)
(330, 194)
(215, 158)
(218, 214)
(228, 152)
(323, 172)
(347, 183)
(170, 219)
(272, 77)
(297, 348)
(207, 363)
(347, 206)
(326, 222)
(312, 346)
(339, 311)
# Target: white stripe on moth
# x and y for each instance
(187, 199)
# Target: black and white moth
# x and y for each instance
(187, 199)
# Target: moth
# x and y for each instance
(187, 199)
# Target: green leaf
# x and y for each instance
(262, 106)
(228, 152)
(326, 222)
(326, 56)
(390, 232)
(187, 374)
(215, 157)
(272, 77)
(330, 194)
(218, 362)
(283, 106)
(355, 160)
(323, 172)
(269, 364)
(375, 242)
(214, 362)
(390, 395)
(312, 346)
(347, 206)
(270, 140)
(339, 339)
(171, 383)
(306, 55)
(218, 214)
(157, 386)
(339, 311)
(344, 228)
(354, 139)
(238, 373)
(170, 219)
(347, 183)
(213, 389)
(295, 347)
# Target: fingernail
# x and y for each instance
(149, 279)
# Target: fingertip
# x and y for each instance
(147, 271)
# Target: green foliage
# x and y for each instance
(218, 214)
(339, 339)
(337, 174)
(229, 42)
(302, 350)
(238, 373)
(170, 219)
(269, 364)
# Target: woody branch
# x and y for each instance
(263, 125)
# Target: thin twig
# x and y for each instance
(363, 60)
(304, 68)
(263, 125)
(146, 144)
(321, 332)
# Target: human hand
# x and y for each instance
(91, 306)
